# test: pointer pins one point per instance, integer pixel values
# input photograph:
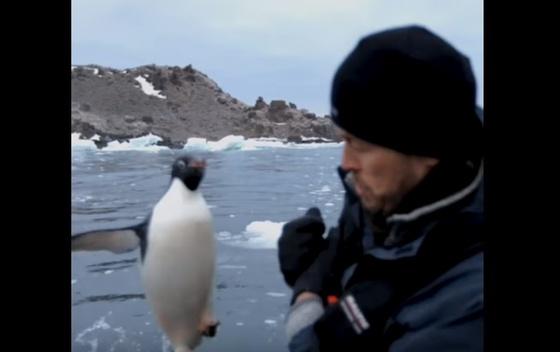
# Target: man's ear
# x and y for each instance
(431, 162)
(427, 163)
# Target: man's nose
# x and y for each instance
(349, 160)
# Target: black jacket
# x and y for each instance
(412, 281)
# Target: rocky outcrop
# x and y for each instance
(178, 103)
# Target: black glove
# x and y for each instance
(322, 277)
(300, 243)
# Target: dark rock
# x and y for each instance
(102, 142)
(277, 105)
(260, 104)
(84, 128)
(167, 142)
(158, 81)
(295, 139)
(148, 119)
(174, 79)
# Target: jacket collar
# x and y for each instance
(429, 197)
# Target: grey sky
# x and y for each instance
(277, 49)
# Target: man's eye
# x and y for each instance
(353, 143)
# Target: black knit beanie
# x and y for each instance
(409, 90)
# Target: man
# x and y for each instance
(403, 270)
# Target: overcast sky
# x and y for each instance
(282, 49)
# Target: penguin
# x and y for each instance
(177, 250)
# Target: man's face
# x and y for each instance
(382, 176)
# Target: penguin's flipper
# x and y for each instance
(116, 240)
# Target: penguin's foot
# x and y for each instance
(211, 328)
(182, 349)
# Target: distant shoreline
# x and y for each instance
(231, 142)
(177, 103)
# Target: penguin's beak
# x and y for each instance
(198, 164)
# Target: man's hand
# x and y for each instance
(300, 243)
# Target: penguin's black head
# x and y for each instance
(189, 170)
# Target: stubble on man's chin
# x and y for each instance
(375, 217)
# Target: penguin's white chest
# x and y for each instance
(178, 267)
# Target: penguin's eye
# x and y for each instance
(181, 164)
